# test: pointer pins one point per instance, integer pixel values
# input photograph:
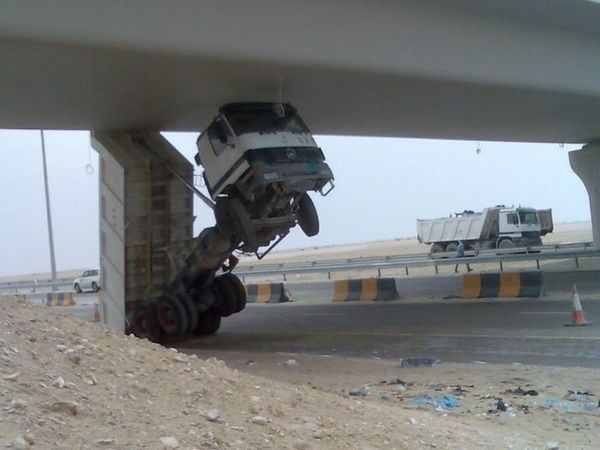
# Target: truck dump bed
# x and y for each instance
(464, 227)
(546, 222)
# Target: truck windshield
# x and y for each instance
(264, 121)
(528, 217)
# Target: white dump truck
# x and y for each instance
(260, 161)
(496, 227)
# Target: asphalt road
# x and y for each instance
(519, 331)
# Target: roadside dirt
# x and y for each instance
(69, 384)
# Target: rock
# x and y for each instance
(361, 391)
(552, 446)
(291, 362)
(73, 356)
(59, 383)
(19, 444)
(413, 421)
(65, 408)
(258, 420)
(255, 399)
(318, 434)
(62, 348)
(18, 404)
(105, 441)
(212, 415)
(12, 376)
(169, 442)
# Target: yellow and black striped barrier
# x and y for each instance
(368, 289)
(503, 284)
(266, 293)
(60, 299)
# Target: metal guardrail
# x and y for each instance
(547, 252)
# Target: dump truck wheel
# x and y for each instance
(506, 243)
(241, 291)
(208, 323)
(144, 324)
(171, 316)
(308, 218)
(227, 296)
(191, 310)
(437, 248)
(451, 247)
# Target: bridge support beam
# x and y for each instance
(146, 218)
(586, 164)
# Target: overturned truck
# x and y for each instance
(259, 160)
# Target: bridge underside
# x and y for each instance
(514, 71)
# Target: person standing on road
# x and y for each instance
(460, 253)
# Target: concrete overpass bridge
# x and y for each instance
(467, 69)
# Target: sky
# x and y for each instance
(382, 186)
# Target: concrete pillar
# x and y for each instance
(146, 218)
(586, 164)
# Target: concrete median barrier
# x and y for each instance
(503, 285)
(60, 299)
(368, 289)
(266, 293)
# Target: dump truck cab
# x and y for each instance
(259, 161)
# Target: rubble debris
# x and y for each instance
(521, 391)
(418, 362)
(445, 401)
(361, 391)
(169, 442)
(212, 415)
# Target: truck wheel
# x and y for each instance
(171, 316)
(437, 248)
(237, 287)
(227, 296)
(95, 287)
(209, 323)
(506, 243)
(144, 324)
(243, 224)
(308, 218)
(451, 247)
(77, 288)
(190, 309)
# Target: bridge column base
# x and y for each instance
(146, 218)
(586, 164)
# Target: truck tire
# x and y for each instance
(190, 309)
(506, 243)
(172, 316)
(451, 247)
(144, 324)
(308, 219)
(227, 296)
(437, 248)
(208, 323)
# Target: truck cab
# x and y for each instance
(260, 161)
(518, 226)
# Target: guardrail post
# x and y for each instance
(406, 270)
(436, 269)
(284, 277)
(378, 273)
(577, 262)
(537, 263)
(329, 275)
(501, 267)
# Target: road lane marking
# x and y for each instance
(566, 313)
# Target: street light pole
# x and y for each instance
(48, 214)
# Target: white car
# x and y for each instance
(88, 281)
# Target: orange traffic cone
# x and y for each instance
(577, 318)
(97, 317)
